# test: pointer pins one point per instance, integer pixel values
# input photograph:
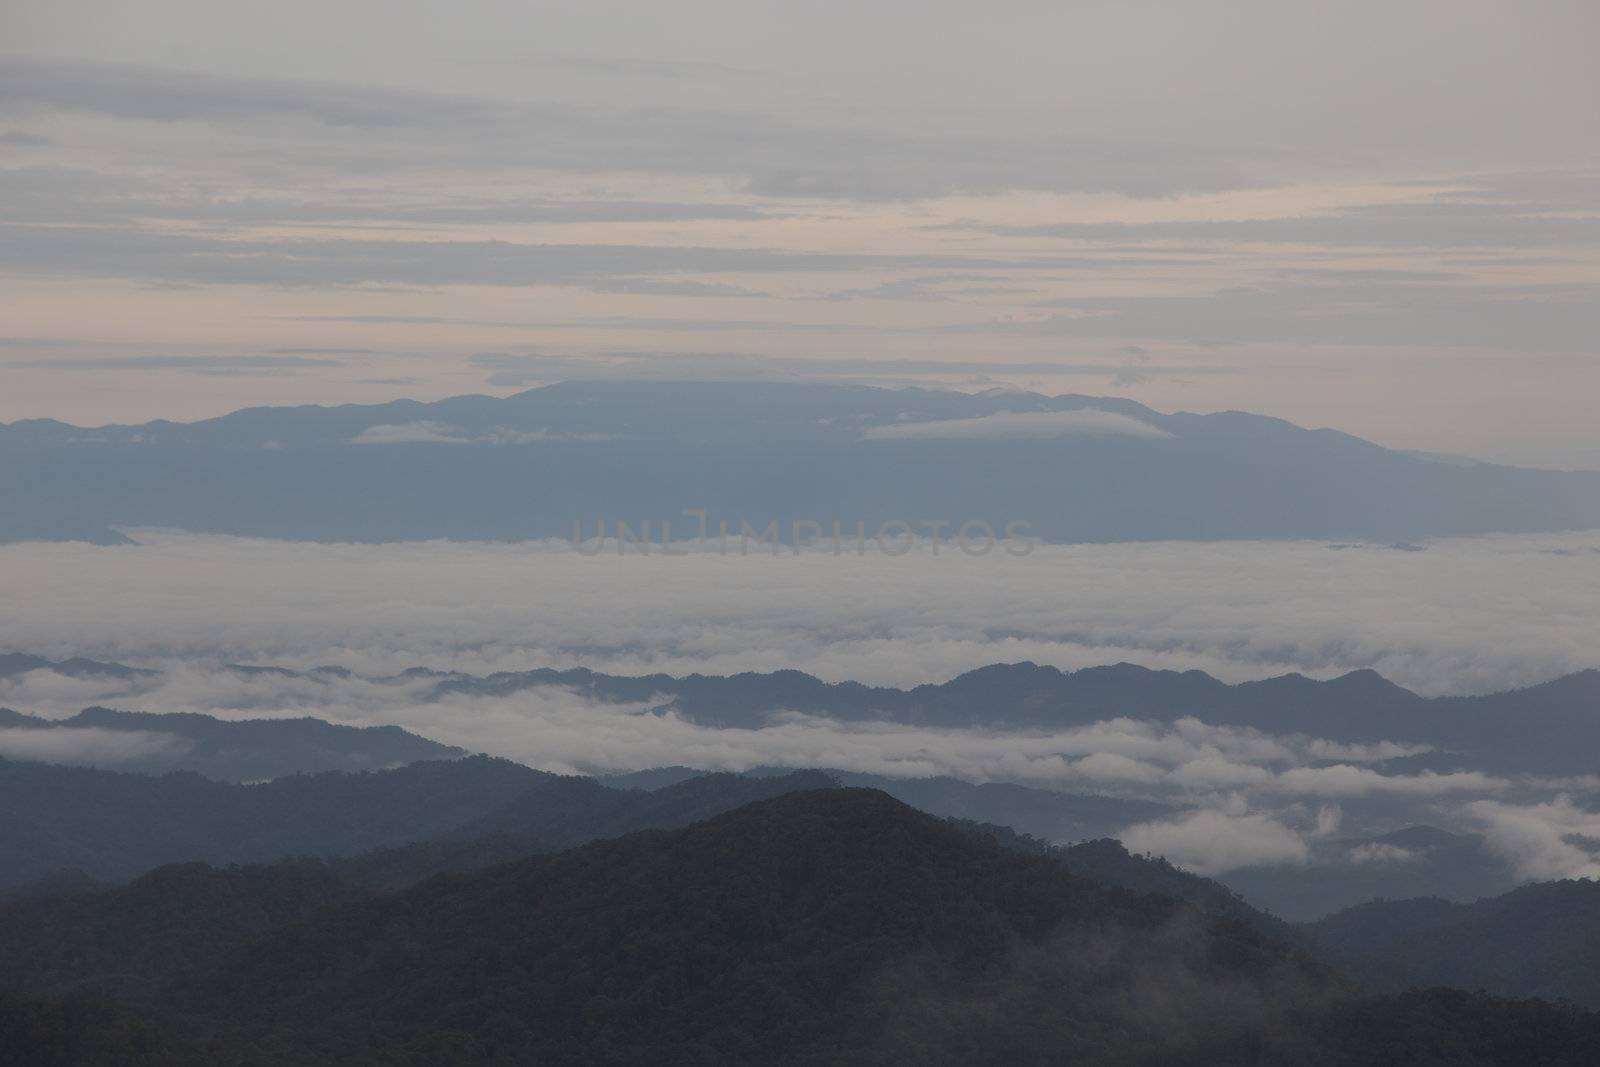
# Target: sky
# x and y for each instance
(1383, 217)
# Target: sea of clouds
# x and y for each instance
(1457, 616)
(1463, 615)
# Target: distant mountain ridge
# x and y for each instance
(1077, 468)
(1551, 727)
(241, 750)
(113, 826)
(1411, 862)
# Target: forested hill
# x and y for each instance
(1541, 940)
(819, 927)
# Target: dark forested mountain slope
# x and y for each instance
(1046, 813)
(830, 926)
(1541, 940)
(568, 811)
(820, 927)
(74, 1033)
(130, 939)
(1108, 863)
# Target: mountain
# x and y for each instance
(1417, 861)
(75, 1033)
(1044, 813)
(1076, 468)
(815, 927)
(68, 829)
(112, 826)
(116, 940)
(246, 750)
(1541, 940)
(70, 935)
(568, 811)
(828, 927)
(15, 663)
(1107, 862)
(1546, 729)
(1549, 728)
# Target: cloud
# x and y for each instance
(42, 193)
(1211, 842)
(1240, 610)
(556, 728)
(1548, 317)
(532, 368)
(1439, 223)
(429, 432)
(1544, 841)
(1343, 781)
(772, 153)
(411, 433)
(673, 70)
(1379, 852)
(87, 745)
(190, 364)
(201, 258)
(1020, 425)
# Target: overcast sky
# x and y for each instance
(1378, 216)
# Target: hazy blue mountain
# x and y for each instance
(113, 826)
(242, 750)
(1550, 728)
(15, 663)
(532, 464)
(1541, 940)
(1418, 861)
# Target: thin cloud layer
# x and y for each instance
(1462, 616)
(429, 432)
(87, 745)
(1020, 425)
(562, 730)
